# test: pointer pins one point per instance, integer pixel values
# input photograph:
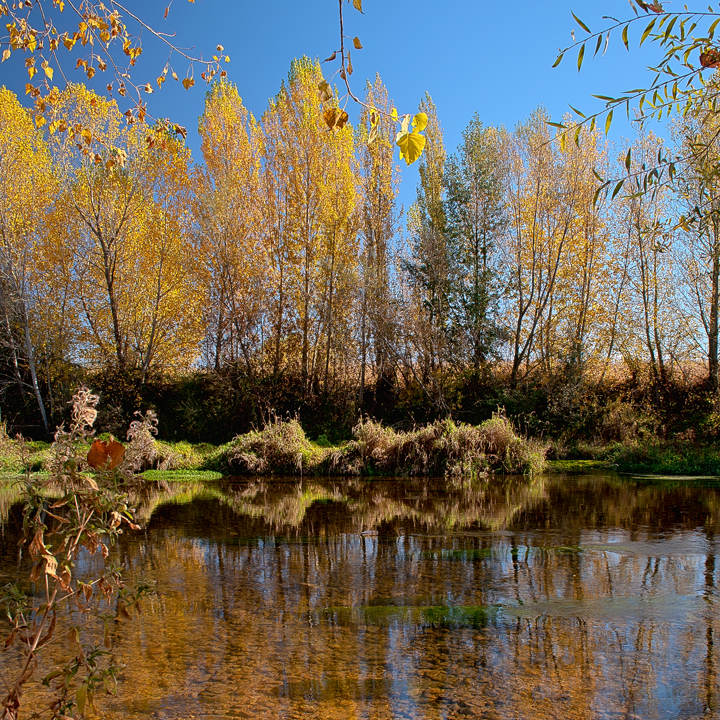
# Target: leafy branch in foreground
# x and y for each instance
(409, 139)
(80, 507)
(687, 41)
(105, 38)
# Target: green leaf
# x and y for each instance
(647, 32)
(617, 189)
(581, 55)
(625, 38)
(558, 60)
(578, 130)
(420, 122)
(628, 159)
(576, 111)
(598, 44)
(411, 145)
(608, 122)
(598, 191)
(581, 23)
(711, 29)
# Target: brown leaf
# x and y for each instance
(710, 58)
(105, 455)
(331, 58)
(335, 118)
(37, 546)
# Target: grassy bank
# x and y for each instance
(648, 455)
(439, 448)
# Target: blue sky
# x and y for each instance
(493, 58)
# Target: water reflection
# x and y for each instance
(590, 597)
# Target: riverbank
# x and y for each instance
(282, 448)
(439, 448)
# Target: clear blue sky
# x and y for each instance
(493, 58)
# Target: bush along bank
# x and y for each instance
(440, 448)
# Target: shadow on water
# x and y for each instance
(553, 597)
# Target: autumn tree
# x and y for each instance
(378, 188)
(549, 251)
(699, 194)
(26, 191)
(653, 284)
(309, 194)
(235, 262)
(122, 218)
(429, 266)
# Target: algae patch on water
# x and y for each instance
(438, 616)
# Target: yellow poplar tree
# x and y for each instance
(26, 191)
(235, 263)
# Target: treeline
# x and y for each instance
(280, 274)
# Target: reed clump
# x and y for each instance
(280, 448)
(440, 448)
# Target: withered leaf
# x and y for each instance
(335, 118)
(105, 455)
(710, 58)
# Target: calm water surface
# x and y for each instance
(556, 597)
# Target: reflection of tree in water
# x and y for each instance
(580, 598)
(363, 505)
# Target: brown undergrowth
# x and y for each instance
(440, 448)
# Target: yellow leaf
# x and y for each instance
(227, 58)
(394, 114)
(6, 54)
(411, 145)
(420, 122)
(40, 121)
(49, 72)
(357, 44)
(188, 82)
(32, 72)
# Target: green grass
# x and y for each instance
(577, 466)
(182, 475)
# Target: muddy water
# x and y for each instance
(578, 597)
